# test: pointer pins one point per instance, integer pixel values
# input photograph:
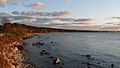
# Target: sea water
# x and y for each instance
(73, 49)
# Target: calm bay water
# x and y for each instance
(72, 48)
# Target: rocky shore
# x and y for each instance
(12, 55)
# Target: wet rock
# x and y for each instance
(46, 53)
(39, 46)
(89, 65)
(51, 41)
(112, 65)
(56, 61)
(41, 43)
(98, 63)
(43, 50)
(88, 55)
(41, 53)
(33, 44)
(51, 57)
(62, 63)
(20, 47)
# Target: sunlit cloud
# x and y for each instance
(36, 5)
(60, 14)
(12, 2)
(3, 2)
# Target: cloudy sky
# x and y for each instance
(72, 14)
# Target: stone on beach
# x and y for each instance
(56, 61)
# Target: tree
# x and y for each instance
(6, 25)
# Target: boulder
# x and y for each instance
(56, 61)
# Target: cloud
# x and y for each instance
(113, 23)
(23, 13)
(69, 0)
(35, 5)
(48, 14)
(116, 17)
(15, 12)
(45, 20)
(87, 20)
(4, 14)
(19, 17)
(3, 2)
(79, 21)
(12, 2)
(61, 14)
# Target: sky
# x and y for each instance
(72, 14)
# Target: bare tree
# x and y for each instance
(6, 25)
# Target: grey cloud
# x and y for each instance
(85, 19)
(67, 19)
(23, 13)
(79, 21)
(45, 20)
(49, 14)
(4, 14)
(19, 17)
(115, 17)
(15, 12)
(35, 5)
(113, 23)
(61, 13)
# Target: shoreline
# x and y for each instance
(16, 55)
(12, 54)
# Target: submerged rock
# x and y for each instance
(41, 43)
(88, 55)
(41, 53)
(51, 57)
(51, 41)
(46, 53)
(112, 65)
(56, 61)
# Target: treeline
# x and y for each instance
(21, 29)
